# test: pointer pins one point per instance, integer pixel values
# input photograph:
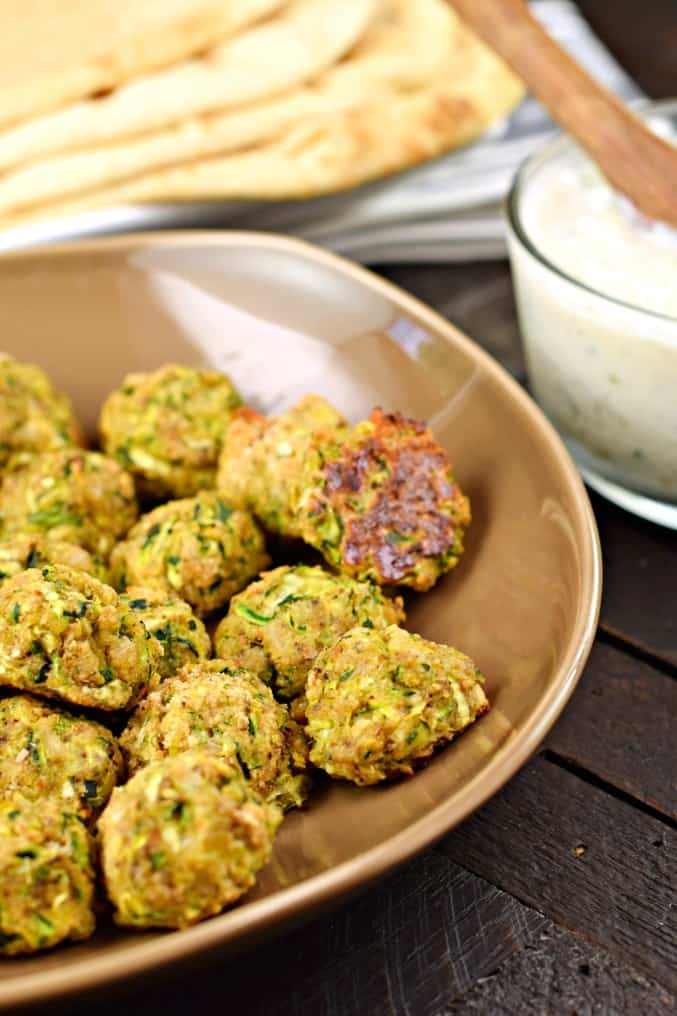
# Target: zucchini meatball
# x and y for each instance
(263, 461)
(182, 636)
(47, 875)
(48, 752)
(34, 417)
(182, 840)
(233, 714)
(378, 702)
(199, 547)
(76, 496)
(380, 502)
(27, 550)
(277, 626)
(65, 635)
(166, 428)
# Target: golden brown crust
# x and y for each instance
(393, 492)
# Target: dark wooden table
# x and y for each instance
(558, 897)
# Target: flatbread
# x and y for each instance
(385, 76)
(305, 38)
(55, 51)
(378, 130)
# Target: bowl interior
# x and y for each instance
(283, 319)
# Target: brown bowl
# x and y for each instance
(283, 318)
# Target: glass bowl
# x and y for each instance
(604, 370)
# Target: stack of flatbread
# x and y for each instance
(117, 102)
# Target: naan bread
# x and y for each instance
(381, 110)
(55, 51)
(305, 38)
(316, 157)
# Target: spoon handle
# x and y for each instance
(634, 160)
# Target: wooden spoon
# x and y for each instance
(634, 160)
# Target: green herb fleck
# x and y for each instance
(79, 850)
(180, 811)
(157, 860)
(243, 765)
(43, 673)
(250, 615)
(182, 641)
(33, 750)
(151, 534)
(223, 512)
(91, 789)
(76, 614)
(394, 537)
(46, 927)
(57, 515)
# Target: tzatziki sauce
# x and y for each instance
(596, 287)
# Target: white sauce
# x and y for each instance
(593, 234)
(604, 372)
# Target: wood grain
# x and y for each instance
(410, 946)
(557, 973)
(591, 863)
(643, 38)
(620, 726)
(640, 565)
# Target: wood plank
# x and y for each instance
(619, 725)
(589, 862)
(558, 973)
(644, 43)
(409, 946)
(640, 584)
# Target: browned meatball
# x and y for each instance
(381, 503)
